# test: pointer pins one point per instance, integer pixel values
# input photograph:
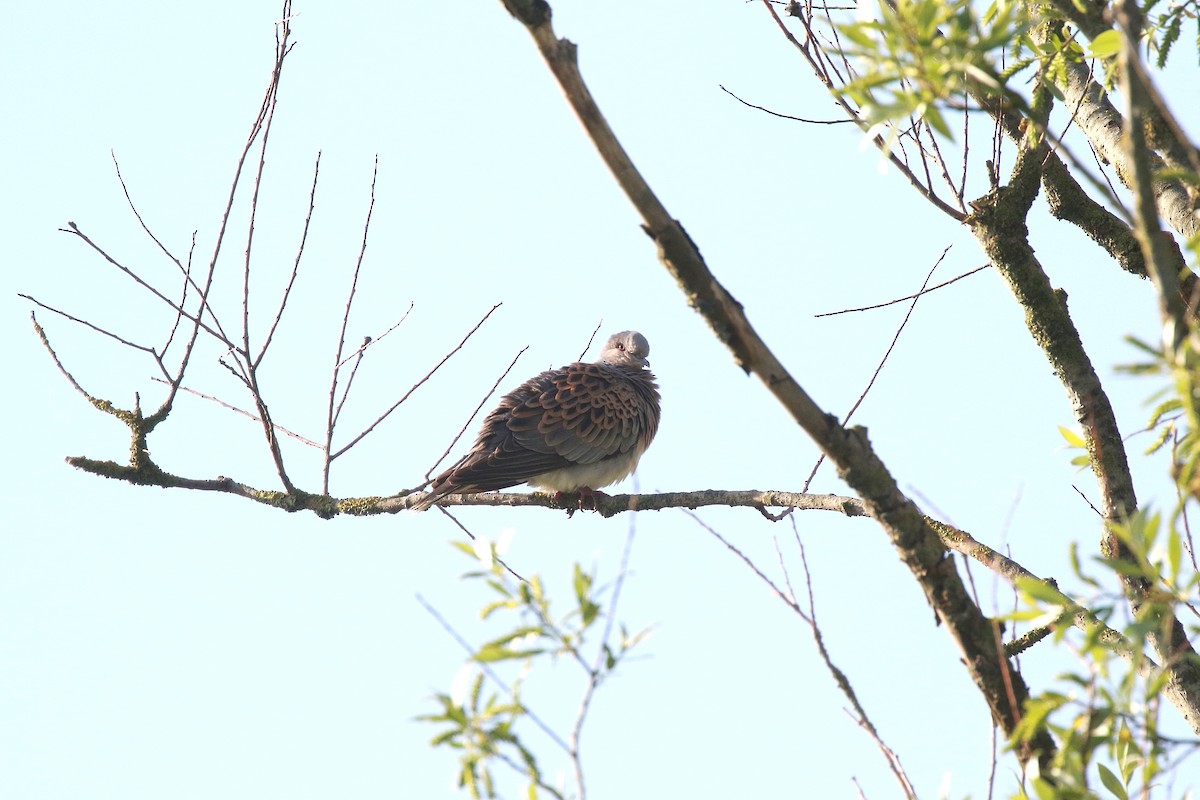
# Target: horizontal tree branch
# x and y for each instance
(609, 505)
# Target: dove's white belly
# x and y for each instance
(590, 476)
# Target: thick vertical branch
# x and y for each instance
(999, 225)
(1170, 640)
(1163, 268)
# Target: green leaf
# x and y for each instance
(936, 120)
(489, 654)
(1146, 348)
(1169, 37)
(1111, 781)
(1105, 45)
(1044, 790)
(516, 633)
(1073, 438)
(861, 33)
(487, 610)
(1040, 590)
(1122, 567)
(1174, 554)
(442, 738)
(1160, 440)
(1157, 683)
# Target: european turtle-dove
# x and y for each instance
(576, 428)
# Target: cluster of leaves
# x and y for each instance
(1106, 718)
(919, 53)
(1176, 418)
(483, 725)
(1164, 27)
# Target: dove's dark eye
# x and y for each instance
(620, 346)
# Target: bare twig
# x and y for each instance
(492, 676)
(414, 387)
(821, 68)
(335, 406)
(906, 297)
(74, 230)
(785, 116)
(843, 681)
(287, 292)
(244, 413)
(591, 339)
(373, 340)
(474, 413)
(467, 532)
(810, 618)
(185, 269)
(882, 361)
(140, 347)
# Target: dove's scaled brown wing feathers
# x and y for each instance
(579, 427)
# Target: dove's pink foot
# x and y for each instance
(586, 498)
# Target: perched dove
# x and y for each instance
(576, 428)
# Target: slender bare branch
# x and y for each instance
(334, 408)
(244, 413)
(140, 347)
(487, 670)
(414, 387)
(474, 413)
(879, 367)
(374, 340)
(287, 292)
(933, 288)
(785, 116)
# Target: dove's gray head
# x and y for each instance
(626, 349)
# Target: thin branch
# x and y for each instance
(414, 387)
(335, 407)
(282, 34)
(185, 270)
(474, 413)
(74, 230)
(843, 681)
(879, 368)
(591, 339)
(373, 340)
(467, 532)
(810, 618)
(183, 296)
(137, 214)
(878, 140)
(596, 672)
(786, 116)
(941, 285)
(140, 347)
(244, 413)
(312, 203)
(486, 668)
(785, 597)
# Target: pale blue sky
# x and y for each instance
(171, 644)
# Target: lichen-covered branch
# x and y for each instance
(999, 225)
(1103, 125)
